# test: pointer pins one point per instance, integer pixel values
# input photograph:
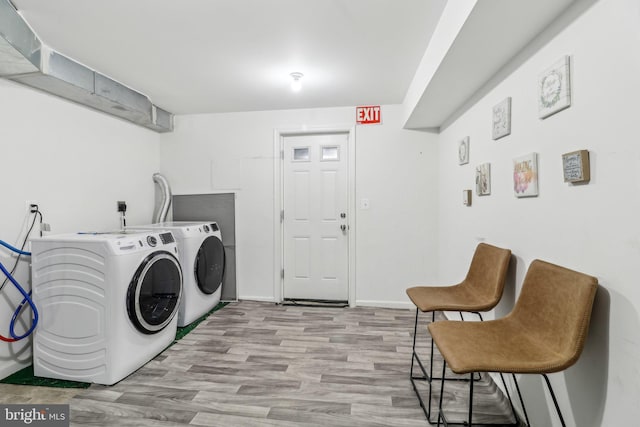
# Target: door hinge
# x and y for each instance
(282, 215)
(282, 273)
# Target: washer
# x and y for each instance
(202, 258)
(107, 303)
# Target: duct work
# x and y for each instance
(25, 59)
(162, 198)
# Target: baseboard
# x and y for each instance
(385, 304)
(359, 303)
(260, 299)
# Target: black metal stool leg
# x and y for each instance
(426, 408)
(433, 318)
(415, 332)
(428, 376)
(471, 400)
(440, 416)
(513, 409)
(555, 402)
(524, 409)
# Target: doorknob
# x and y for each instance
(343, 227)
(343, 215)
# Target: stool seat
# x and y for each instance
(449, 298)
(493, 346)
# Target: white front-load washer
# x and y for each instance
(107, 303)
(202, 257)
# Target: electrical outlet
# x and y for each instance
(28, 204)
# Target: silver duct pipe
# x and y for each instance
(25, 59)
(163, 198)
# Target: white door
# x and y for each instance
(315, 223)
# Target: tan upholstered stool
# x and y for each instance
(479, 291)
(544, 333)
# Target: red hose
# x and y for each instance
(5, 339)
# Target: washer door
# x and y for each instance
(209, 266)
(154, 294)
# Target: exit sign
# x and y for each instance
(368, 115)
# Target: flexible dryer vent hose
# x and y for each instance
(163, 198)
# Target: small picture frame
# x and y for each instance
(525, 175)
(483, 179)
(575, 167)
(502, 119)
(554, 88)
(463, 151)
(466, 197)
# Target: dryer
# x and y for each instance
(202, 258)
(107, 302)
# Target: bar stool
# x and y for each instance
(544, 333)
(479, 291)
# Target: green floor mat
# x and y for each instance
(190, 327)
(25, 376)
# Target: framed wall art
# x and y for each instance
(463, 151)
(483, 179)
(525, 175)
(502, 119)
(554, 88)
(575, 166)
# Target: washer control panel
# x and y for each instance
(166, 238)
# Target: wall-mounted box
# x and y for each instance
(466, 197)
(575, 166)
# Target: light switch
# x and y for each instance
(364, 204)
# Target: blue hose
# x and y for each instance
(16, 250)
(16, 313)
(27, 298)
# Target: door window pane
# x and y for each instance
(301, 154)
(330, 153)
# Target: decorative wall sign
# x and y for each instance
(466, 197)
(576, 166)
(463, 151)
(525, 175)
(483, 179)
(554, 88)
(502, 119)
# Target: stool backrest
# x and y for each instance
(554, 308)
(487, 273)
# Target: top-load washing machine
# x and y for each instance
(202, 259)
(107, 302)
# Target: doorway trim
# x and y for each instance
(278, 202)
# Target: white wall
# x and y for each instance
(76, 163)
(395, 169)
(591, 228)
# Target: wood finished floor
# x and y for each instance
(260, 364)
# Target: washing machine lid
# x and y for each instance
(153, 297)
(209, 265)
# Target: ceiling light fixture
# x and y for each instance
(296, 84)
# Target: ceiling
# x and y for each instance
(210, 56)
